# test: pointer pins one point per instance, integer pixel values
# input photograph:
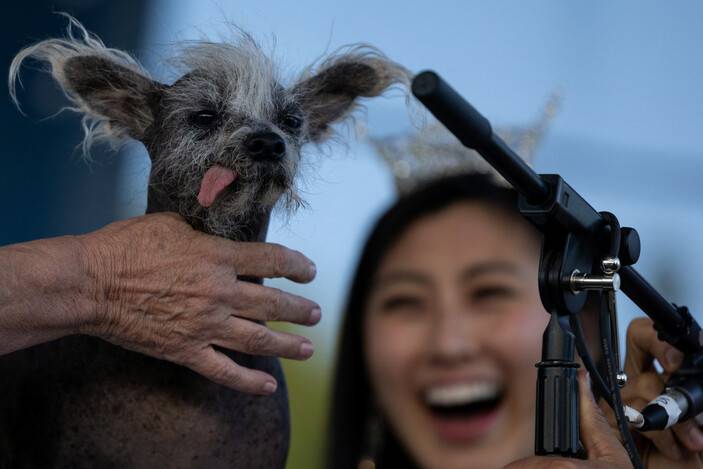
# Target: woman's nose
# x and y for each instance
(453, 339)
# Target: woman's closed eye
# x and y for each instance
(492, 292)
(402, 303)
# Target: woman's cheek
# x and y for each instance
(521, 337)
(392, 349)
(517, 344)
(390, 344)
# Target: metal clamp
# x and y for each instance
(579, 282)
(610, 265)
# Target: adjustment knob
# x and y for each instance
(629, 246)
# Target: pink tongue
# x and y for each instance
(216, 179)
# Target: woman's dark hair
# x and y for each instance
(352, 399)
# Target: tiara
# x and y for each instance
(432, 152)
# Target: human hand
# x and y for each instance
(599, 440)
(676, 447)
(163, 289)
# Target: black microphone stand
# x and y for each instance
(583, 250)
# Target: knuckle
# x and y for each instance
(276, 306)
(232, 377)
(186, 357)
(637, 326)
(222, 375)
(279, 259)
(258, 341)
(642, 389)
(650, 384)
(211, 295)
(195, 356)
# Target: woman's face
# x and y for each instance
(452, 333)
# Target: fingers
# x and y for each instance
(598, 438)
(663, 440)
(261, 303)
(690, 435)
(217, 367)
(249, 337)
(646, 386)
(267, 260)
(637, 394)
(643, 345)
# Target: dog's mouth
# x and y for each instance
(215, 181)
(219, 179)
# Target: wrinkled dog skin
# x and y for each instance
(225, 144)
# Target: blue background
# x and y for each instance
(628, 135)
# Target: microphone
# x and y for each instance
(678, 402)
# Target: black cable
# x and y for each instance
(585, 354)
(606, 341)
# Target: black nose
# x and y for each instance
(265, 146)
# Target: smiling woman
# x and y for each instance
(445, 313)
(450, 334)
(442, 331)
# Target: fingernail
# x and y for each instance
(270, 387)
(673, 357)
(315, 315)
(306, 350)
(312, 269)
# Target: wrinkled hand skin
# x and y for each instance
(193, 396)
(679, 446)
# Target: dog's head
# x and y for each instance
(224, 139)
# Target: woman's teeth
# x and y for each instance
(463, 412)
(461, 394)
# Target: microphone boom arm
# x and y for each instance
(571, 212)
(578, 240)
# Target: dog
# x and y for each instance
(225, 143)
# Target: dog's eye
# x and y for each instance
(204, 118)
(292, 122)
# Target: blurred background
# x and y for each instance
(627, 136)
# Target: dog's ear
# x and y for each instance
(331, 94)
(114, 93)
(108, 90)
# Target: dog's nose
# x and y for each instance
(265, 146)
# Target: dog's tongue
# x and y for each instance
(216, 179)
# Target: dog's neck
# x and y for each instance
(256, 230)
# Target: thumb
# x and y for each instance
(598, 438)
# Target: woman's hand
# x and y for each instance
(681, 445)
(599, 440)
